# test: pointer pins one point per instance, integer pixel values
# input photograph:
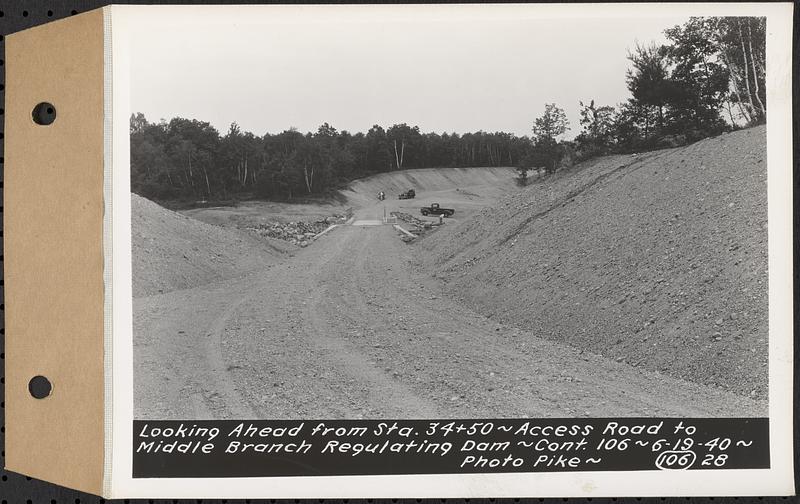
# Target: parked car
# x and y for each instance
(435, 209)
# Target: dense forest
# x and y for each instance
(707, 78)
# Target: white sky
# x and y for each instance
(269, 70)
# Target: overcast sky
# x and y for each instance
(440, 72)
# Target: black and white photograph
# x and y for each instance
(450, 250)
(421, 218)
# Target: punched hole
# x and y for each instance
(40, 387)
(44, 113)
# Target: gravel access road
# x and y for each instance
(349, 329)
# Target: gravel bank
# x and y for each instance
(657, 260)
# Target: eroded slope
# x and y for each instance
(171, 251)
(658, 260)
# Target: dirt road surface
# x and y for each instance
(348, 328)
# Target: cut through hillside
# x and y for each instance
(493, 181)
(171, 251)
(658, 260)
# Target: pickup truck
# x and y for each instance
(435, 209)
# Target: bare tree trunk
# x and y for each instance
(191, 175)
(396, 157)
(736, 84)
(402, 151)
(755, 74)
(730, 112)
(705, 71)
(309, 179)
(208, 185)
(244, 177)
(746, 71)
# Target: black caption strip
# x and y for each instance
(234, 448)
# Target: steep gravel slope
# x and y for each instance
(658, 260)
(171, 251)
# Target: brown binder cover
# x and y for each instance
(54, 263)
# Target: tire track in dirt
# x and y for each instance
(177, 340)
(226, 399)
(349, 329)
(396, 398)
(312, 369)
(498, 370)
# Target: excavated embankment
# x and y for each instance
(171, 251)
(658, 260)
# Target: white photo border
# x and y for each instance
(778, 480)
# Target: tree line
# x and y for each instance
(708, 77)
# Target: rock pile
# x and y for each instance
(299, 233)
(420, 225)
